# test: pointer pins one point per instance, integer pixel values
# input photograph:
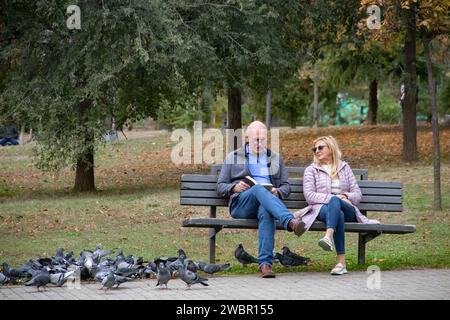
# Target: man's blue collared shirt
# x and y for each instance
(257, 165)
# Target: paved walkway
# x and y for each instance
(409, 284)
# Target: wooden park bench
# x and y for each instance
(380, 196)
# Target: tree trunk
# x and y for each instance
(234, 117)
(315, 121)
(293, 118)
(373, 103)
(435, 126)
(409, 110)
(84, 176)
(22, 135)
(268, 107)
(234, 108)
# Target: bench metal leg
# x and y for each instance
(212, 244)
(363, 238)
(361, 249)
(212, 237)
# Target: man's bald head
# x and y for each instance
(257, 136)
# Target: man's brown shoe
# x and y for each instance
(298, 226)
(266, 271)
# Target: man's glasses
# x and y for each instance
(320, 148)
(258, 141)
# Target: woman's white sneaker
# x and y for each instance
(338, 270)
(326, 244)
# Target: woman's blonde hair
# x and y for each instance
(335, 153)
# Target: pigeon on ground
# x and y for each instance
(289, 253)
(181, 254)
(244, 257)
(59, 256)
(125, 265)
(119, 280)
(213, 268)
(109, 281)
(13, 274)
(99, 253)
(69, 256)
(100, 275)
(45, 262)
(150, 269)
(175, 265)
(165, 260)
(41, 280)
(190, 277)
(163, 276)
(3, 279)
(191, 266)
(88, 260)
(288, 261)
(126, 272)
(58, 279)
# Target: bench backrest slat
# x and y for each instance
(363, 174)
(200, 190)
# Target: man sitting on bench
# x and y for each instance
(257, 202)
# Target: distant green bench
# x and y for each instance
(380, 196)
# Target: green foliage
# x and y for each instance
(181, 113)
(123, 64)
(389, 110)
(444, 96)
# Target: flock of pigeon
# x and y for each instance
(96, 265)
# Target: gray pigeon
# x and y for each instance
(99, 253)
(174, 266)
(124, 265)
(126, 272)
(190, 277)
(243, 257)
(191, 266)
(288, 261)
(3, 279)
(88, 260)
(120, 279)
(109, 281)
(100, 275)
(13, 274)
(58, 279)
(41, 280)
(163, 276)
(59, 256)
(287, 252)
(69, 255)
(213, 268)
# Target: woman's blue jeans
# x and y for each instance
(334, 214)
(258, 203)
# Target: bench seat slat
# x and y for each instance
(317, 225)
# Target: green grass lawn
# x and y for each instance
(137, 210)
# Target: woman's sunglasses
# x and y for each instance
(320, 148)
